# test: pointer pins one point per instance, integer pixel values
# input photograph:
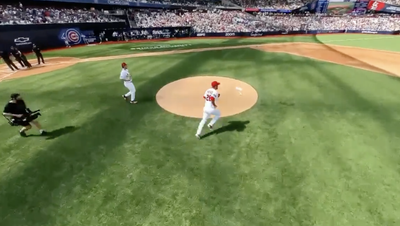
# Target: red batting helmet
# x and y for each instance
(215, 83)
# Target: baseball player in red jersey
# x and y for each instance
(210, 108)
(127, 78)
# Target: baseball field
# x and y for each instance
(309, 135)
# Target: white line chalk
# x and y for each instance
(361, 39)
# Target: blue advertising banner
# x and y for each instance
(88, 36)
(71, 35)
(48, 36)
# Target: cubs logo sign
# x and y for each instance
(72, 35)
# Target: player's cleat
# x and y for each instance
(23, 134)
(125, 98)
(134, 102)
(43, 133)
(210, 127)
(198, 136)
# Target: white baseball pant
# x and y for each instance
(207, 112)
(132, 90)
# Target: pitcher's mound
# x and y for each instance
(184, 97)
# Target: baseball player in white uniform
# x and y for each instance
(210, 108)
(67, 43)
(127, 79)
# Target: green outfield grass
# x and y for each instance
(320, 148)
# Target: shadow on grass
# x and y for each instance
(71, 169)
(57, 133)
(360, 63)
(53, 174)
(375, 110)
(238, 126)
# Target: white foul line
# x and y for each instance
(361, 39)
(7, 75)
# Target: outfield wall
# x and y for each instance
(51, 37)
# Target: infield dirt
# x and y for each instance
(385, 62)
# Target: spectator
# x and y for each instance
(32, 15)
(238, 21)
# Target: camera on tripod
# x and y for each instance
(32, 115)
(28, 117)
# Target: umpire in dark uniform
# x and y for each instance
(20, 57)
(17, 56)
(39, 55)
(24, 59)
(6, 57)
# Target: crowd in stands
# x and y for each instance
(267, 4)
(392, 2)
(355, 23)
(271, 4)
(237, 21)
(185, 2)
(209, 21)
(32, 15)
(204, 20)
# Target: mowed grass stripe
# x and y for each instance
(45, 81)
(144, 134)
(136, 165)
(221, 140)
(355, 143)
(379, 42)
(86, 51)
(345, 168)
(316, 106)
(230, 61)
(234, 182)
(362, 102)
(159, 217)
(87, 158)
(322, 128)
(341, 164)
(284, 187)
